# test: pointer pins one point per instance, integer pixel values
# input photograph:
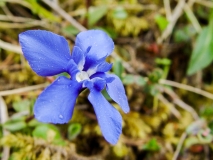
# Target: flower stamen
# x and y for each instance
(82, 75)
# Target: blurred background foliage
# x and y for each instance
(163, 54)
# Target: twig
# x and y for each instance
(174, 111)
(3, 111)
(64, 14)
(206, 151)
(181, 103)
(19, 19)
(191, 2)
(177, 151)
(167, 9)
(6, 10)
(3, 119)
(126, 65)
(173, 19)
(186, 87)
(192, 18)
(10, 47)
(205, 3)
(24, 89)
(22, 25)
(176, 14)
(11, 67)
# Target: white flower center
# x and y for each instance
(82, 75)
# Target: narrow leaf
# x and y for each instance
(202, 54)
(95, 14)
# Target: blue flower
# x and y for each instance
(48, 54)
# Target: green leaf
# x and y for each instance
(151, 89)
(2, 4)
(152, 145)
(163, 61)
(141, 81)
(120, 13)
(205, 136)
(23, 105)
(96, 13)
(202, 54)
(155, 75)
(110, 31)
(118, 68)
(207, 111)
(70, 30)
(190, 141)
(73, 130)
(1, 133)
(41, 11)
(33, 123)
(48, 132)
(210, 125)
(184, 34)
(13, 125)
(161, 22)
(128, 79)
(106, 95)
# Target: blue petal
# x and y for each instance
(72, 68)
(116, 91)
(108, 117)
(95, 44)
(104, 76)
(88, 84)
(97, 83)
(104, 67)
(93, 68)
(78, 57)
(55, 104)
(46, 52)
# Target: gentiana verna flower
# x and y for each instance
(48, 54)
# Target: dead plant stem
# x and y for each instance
(10, 47)
(3, 119)
(205, 3)
(186, 87)
(177, 151)
(174, 17)
(167, 9)
(173, 110)
(65, 15)
(22, 90)
(180, 103)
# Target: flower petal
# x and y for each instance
(95, 44)
(97, 83)
(72, 69)
(108, 117)
(116, 91)
(46, 52)
(104, 76)
(55, 104)
(78, 57)
(104, 67)
(93, 68)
